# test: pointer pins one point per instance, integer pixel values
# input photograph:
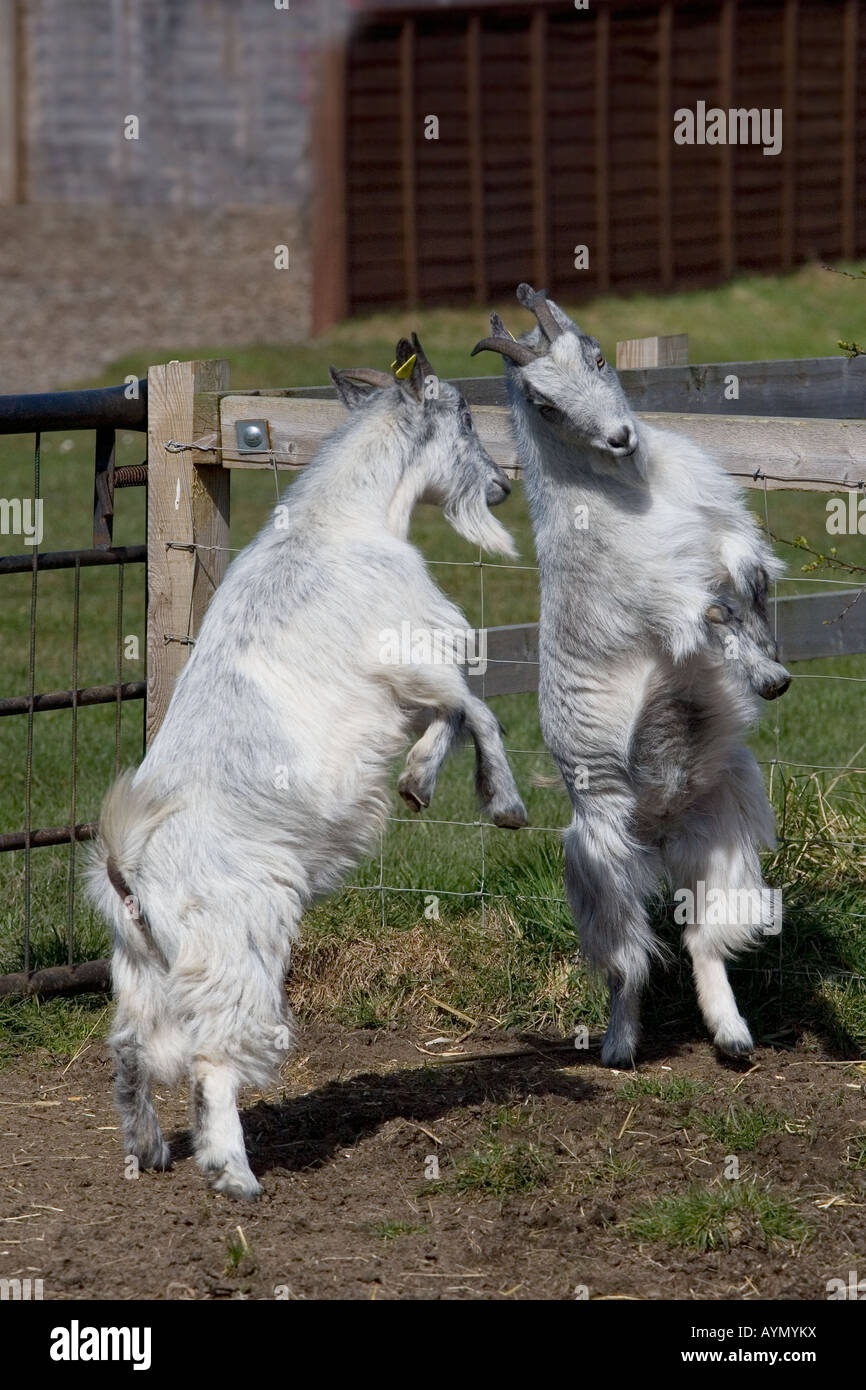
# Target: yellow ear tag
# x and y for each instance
(510, 334)
(403, 373)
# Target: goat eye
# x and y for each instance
(467, 420)
(549, 412)
(599, 361)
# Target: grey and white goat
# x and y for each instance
(653, 645)
(267, 781)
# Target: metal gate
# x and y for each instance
(106, 411)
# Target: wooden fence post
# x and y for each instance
(669, 351)
(187, 502)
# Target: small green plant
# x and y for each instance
(672, 1089)
(390, 1230)
(508, 1117)
(856, 1152)
(741, 1127)
(501, 1170)
(237, 1250)
(719, 1217)
(614, 1168)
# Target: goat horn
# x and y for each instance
(369, 375)
(536, 302)
(421, 355)
(518, 352)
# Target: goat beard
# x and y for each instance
(471, 519)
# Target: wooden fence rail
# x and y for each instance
(791, 425)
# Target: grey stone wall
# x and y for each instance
(222, 90)
(165, 242)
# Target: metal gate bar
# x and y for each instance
(105, 411)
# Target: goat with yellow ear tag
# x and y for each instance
(269, 778)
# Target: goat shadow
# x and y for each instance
(303, 1132)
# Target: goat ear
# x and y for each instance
(423, 359)
(498, 326)
(349, 391)
(402, 352)
(409, 370)
(526, 295)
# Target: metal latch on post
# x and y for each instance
(253, 436)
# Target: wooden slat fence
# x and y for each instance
(793, 425)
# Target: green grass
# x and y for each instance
(673, 1090)
(717, 1217)
(754, 318)
(369, 956)
(495, 1169)
(237, 1251)
(741, 1127)
(612, 1170)
(856, 1156)
(54, 1028)
(391, 1230)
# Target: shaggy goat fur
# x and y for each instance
(653, 645)
(268, 779)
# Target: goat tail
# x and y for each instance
(130, 814)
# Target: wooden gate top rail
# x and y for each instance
(776, 452)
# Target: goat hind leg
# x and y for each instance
(622, 1036)
(607, 880)
(219, 1140)
(719, 848)
(142, 1135)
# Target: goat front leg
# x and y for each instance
(495, 787)
(418, 780)
(445, 689)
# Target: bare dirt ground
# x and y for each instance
(343, 1146)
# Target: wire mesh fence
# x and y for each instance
(460, 863)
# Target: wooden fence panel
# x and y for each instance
(809, 626)
(188, 402)
(819, 388)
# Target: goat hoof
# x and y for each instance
(154, 1154)
(161, 1159)
(240, 1186)
(617, 1057)
(513, 818)
(737, 1051)
(737, 1043)
(412, 794)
